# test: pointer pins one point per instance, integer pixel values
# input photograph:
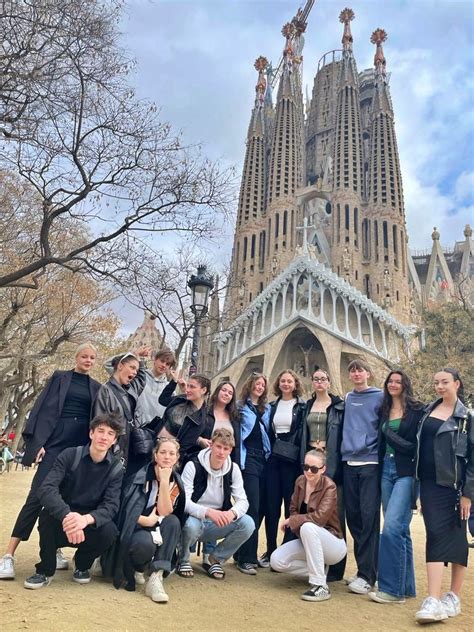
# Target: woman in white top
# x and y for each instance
(284, 465)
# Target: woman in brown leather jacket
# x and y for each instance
(314, 520)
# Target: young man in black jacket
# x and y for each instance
(80, 498)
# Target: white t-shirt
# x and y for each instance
(283, 415)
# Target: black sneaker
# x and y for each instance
(316, 593)
(247, 568)
(264, 561)
(81, 577)
(38, 580)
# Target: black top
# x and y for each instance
(90, 488)
(426, 465)
(254, 440)
(303, 508)
(78, 398)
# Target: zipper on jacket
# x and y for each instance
(418, 445)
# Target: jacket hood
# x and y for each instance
(369, 389)
(204, 458)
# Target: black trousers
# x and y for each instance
(362, 504)
(254, 484)
(280, 480)
(30, 511)
(52, 537)
(144, 552)
(336, 571)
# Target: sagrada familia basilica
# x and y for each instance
(321, 271)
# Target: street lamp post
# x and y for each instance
(200, 285)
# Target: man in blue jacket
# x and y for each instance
(361, 476)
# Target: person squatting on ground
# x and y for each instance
(322, 429)
(152, 512)
(284, 464)
(211, 480)
(119, 395)
(252, 453)
(59, 419)
(314, 519)
(399, 415)
(80, 498)
(361, 474)
(185, 416)
(445, 467)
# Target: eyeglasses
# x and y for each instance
(320, 380)
(312, 468)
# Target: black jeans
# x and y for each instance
(336, 571)
(254, 484)
(279, 487)
(30, 511)
(52, 537)
(362, 503)
(144, 552)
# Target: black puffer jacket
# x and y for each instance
(335, 413)
(453, 449)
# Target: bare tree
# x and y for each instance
(92, 151)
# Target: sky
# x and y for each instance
(195, 60)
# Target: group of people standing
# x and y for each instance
(134, 474)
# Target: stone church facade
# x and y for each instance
(321, 272)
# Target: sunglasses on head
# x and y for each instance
(312, 468)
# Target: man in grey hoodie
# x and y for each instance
(211, 481)
(361, 476)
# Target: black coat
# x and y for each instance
(116, 562)
(403, 442)
(335, 421)
(47, 410)
(453, 448)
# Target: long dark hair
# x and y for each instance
(247, 390)
(456, 376)
(409, 402)
(231, 407)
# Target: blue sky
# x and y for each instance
(195, 60)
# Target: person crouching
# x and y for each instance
(314, 519)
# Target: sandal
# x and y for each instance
(185, 570)
(215, 571)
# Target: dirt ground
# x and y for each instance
(268, 602)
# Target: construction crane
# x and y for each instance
(299, 22)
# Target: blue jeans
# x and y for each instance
(231, 537)
(396, 574)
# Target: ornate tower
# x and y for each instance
(384, 229)
(249, 252)
(346, 252)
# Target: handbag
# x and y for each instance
(286, 450)
(142, 440)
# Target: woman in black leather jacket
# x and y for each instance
(445, 467)
(322, 429)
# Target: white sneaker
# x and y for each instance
(7, 567)
(140, 578)
(360, 586)
(348, 580)
(431, 610)
(62, 563)
(154, 588)
(451, 603)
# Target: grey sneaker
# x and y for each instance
(382, 597)
(62, 563)
(360, 586)
(451, 603)
(7, 567)
(81, 577)
(38, 580)
(431, 610)
(247, 568)
(316, 593)
(264, 561)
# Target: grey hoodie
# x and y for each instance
(361, 422)
(213, 497)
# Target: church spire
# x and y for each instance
(378, 37)
(345, 17)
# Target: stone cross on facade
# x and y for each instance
(305, 228)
